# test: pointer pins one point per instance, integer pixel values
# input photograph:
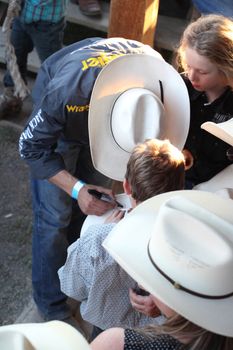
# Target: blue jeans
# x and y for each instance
(223, 7)
(57, 223)
(46, 37)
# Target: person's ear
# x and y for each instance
(127, 187)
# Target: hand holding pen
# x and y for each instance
(92, 204)
(104, 197)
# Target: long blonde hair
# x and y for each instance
(210, 36)
(192, 336)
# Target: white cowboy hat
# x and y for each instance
(222, 180)
(42, 336)
(135, 97)
(223, 131)
(179, 247)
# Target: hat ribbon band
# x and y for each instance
(179, 286)
(161, 91)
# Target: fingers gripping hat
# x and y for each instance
(42, 336)
(135, 97)
(181, 250)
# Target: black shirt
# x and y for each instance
(208, 151)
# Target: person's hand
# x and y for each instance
(143, 304)
(90, 205)
(115, 216)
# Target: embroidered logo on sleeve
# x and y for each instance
(28, 133)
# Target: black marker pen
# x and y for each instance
(103, 196)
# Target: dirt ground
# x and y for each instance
(16, 302)
(15, 227)
(15, 205)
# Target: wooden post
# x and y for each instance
(133, 19)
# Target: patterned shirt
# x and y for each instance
(136, 341)
(42, 10)
(92, 276)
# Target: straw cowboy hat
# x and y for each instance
(42, 336)
(179, 247)
(135, 97)
(223, 131)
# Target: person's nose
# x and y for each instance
(192, 75)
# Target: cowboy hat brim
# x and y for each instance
(128, 242)
(45, 336)
(124, 73)
(223, 131)
(222, 180)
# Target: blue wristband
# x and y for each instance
(77, 187)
